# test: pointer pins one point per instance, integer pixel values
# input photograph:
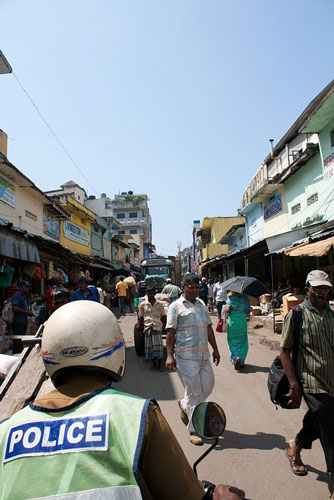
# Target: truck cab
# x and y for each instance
(156, 271)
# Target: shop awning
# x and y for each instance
(18, 247)
(315, 249)
(279, 242)
(102, 266)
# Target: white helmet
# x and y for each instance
(85, 335)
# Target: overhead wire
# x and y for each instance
(53, 133)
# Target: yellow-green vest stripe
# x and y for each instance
(93, 446)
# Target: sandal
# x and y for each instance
(237, 363)
(296, 464)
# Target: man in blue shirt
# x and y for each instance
(84, 292)
(20, 306)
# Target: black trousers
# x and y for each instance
(318, 423)
(219, 306)
(18, 329)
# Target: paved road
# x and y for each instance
(251, 453)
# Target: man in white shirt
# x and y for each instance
(189, 331)
(219, 295)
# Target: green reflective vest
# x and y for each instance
(89, 451)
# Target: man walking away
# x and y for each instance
(189, 329)
(210, 295)
(173, 291)
(121, 288)
(219, 295)
(311, 372)
(203, 291)
(152, 319)
(20, 306)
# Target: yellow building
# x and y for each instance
(75, 234)
(212, 231)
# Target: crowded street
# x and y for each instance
(166, 250)
(251, 453)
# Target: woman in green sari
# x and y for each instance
(236, 310)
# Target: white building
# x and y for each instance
(131, 211)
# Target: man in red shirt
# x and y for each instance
(47, 297)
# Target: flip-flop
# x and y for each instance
(295, 461)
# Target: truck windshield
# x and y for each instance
(156, 271)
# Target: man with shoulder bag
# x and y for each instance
(311, 374)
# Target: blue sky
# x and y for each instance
(176, 99)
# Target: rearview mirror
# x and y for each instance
(209, 420)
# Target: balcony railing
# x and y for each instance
(259, 180)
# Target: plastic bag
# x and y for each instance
(220, 324)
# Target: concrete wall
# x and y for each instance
(287, 156)
(99, 206)
(28, 211)
(327, 159)
(300, 187)
(218, 227)
(237, 241)
(254, 225)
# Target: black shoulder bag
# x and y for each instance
(278, 384)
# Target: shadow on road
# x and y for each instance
(142, 381)
(322, 476)
(253, 369)
(258, 441)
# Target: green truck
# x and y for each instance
(155, 271)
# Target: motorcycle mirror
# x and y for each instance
(209, 420)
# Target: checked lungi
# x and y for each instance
(153, 344)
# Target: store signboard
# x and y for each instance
(96, 242)
(271, 208)
(76, 233)
(7, 192)
(50, 225)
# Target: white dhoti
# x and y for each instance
(198, 380)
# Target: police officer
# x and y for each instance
(85, 439)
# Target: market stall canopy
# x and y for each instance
(315, 249)
(18, 247)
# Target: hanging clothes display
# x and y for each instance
(6, 276)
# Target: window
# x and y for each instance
(312, 199)
(133, 215)
(133, 231)
(332, 138)
(151, 271)
(121, 232)
(120, 216)
(297, 154)
(296, 208)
